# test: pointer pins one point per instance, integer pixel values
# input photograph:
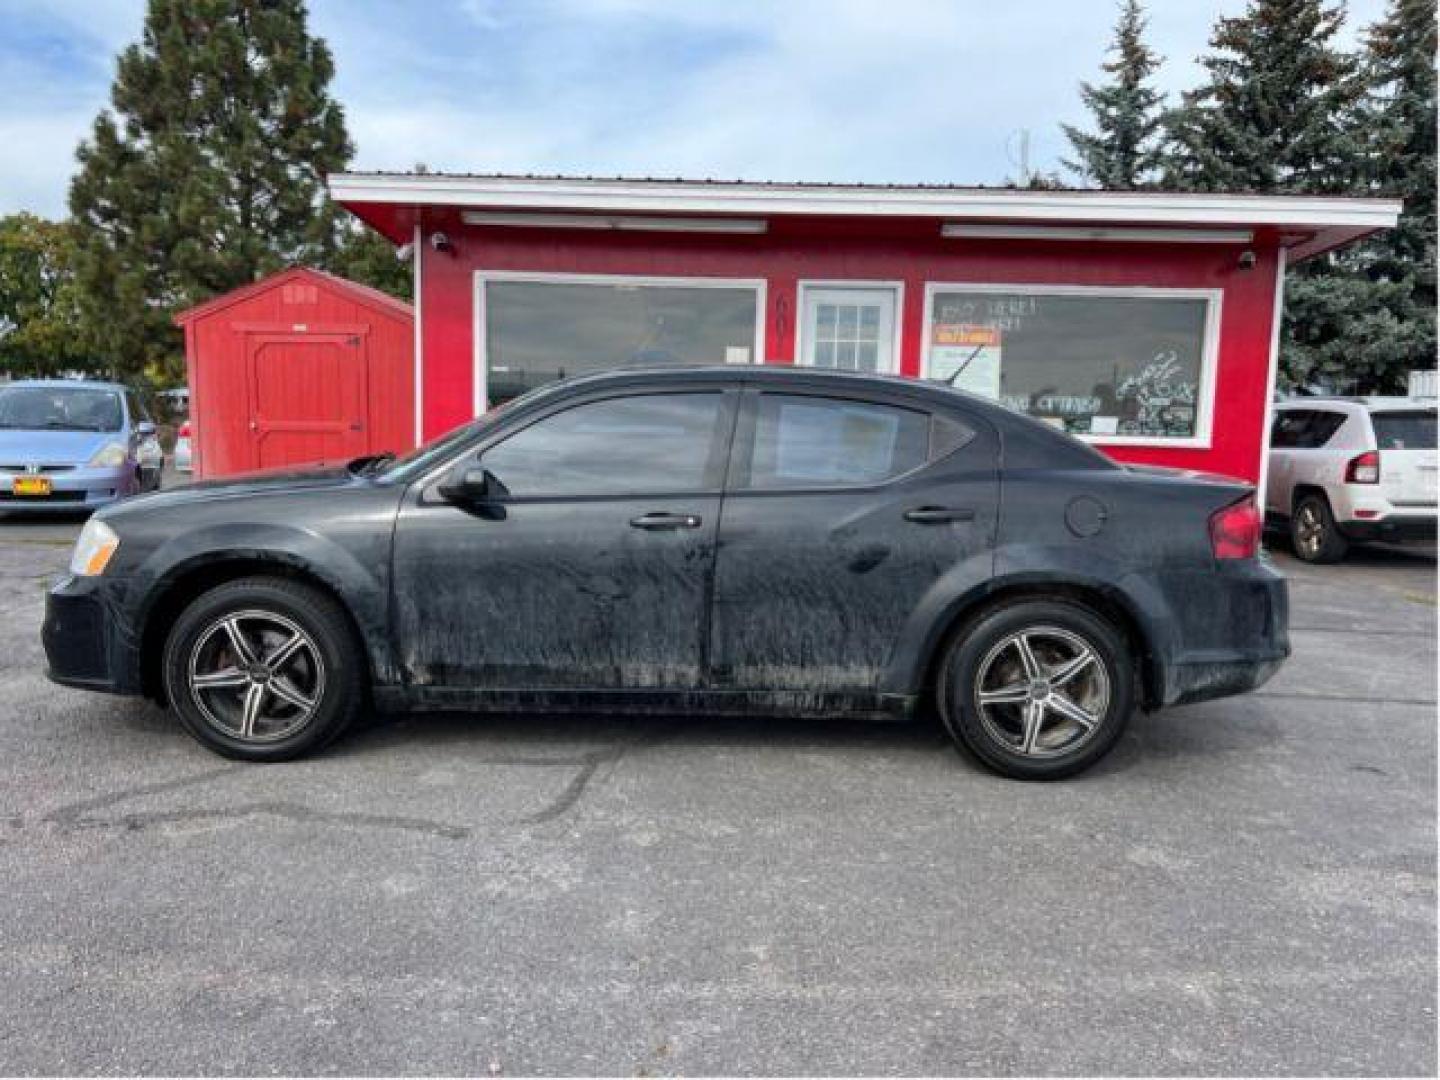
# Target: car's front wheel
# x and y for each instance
(1037, 689)
(263, 669)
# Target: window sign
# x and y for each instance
(1091, 363)
(967, 356)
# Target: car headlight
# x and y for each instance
(94, 549)
(108, 456)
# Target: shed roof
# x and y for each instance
(1306, 224)
(364, 294)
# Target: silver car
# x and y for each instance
(72, 445)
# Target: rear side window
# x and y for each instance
(1323, 425)
(1404, 430)
(653, 443)
(805, 442)
(1305, 429)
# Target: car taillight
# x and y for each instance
(185, 430)
(1235, 530)
(1364, 469)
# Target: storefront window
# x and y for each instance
(540, 331)
(1091, 363)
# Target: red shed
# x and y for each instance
(1143, 322)
(301, 367)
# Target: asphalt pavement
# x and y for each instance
(1244, 886)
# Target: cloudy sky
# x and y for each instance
(844, 90)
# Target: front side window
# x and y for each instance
(650, 444)
(1090, 364)
(59, 408)
(804, 442)
(540, 331)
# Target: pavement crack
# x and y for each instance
(1355, 698)
(296, 812)
(83, 814)
(590, 764)
(74, 812)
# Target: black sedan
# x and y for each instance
(691, 540)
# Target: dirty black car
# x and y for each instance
(691, 541)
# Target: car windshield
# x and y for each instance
(59, 408)
(422, 457)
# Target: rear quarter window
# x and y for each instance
(1404, 430)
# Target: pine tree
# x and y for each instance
(1277, 111)
(209, 172)
(1285, 111)
(365, 256)
(1123, 153)
(1399, 118)
(1360, 319)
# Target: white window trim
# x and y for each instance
(1277, 315)
(1209, 354)
(417, 255)
(802, 358)
(482, 277)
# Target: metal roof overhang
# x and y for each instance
(1306, 225)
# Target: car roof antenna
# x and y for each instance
(949, 380)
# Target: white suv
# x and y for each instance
(1352, 469)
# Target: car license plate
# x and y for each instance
(32, 485)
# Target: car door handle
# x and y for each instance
(939, 515)
(662, 520)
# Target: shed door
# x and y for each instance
(307, 398)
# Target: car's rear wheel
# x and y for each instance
(1037, 689)
(1313, 532)
(264, 669)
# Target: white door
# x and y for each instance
(849, 329)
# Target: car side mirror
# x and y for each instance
(145, 428)
(469, 484)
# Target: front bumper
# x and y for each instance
(85, 641)
(81, 488)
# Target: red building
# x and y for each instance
(300, 367)
(1143, 322)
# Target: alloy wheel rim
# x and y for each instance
(1309, 530)
(256, 676)
(1042, 692)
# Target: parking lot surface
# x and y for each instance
(1245, 886)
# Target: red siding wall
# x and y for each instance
(911, 252)
(291, 314)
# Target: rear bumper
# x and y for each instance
(1234, 633)
(72, 490)
(86, 645)
(1205, 681)
(1417, 528)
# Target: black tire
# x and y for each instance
(1102, 688)
(1314, 536)
(326, 670)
